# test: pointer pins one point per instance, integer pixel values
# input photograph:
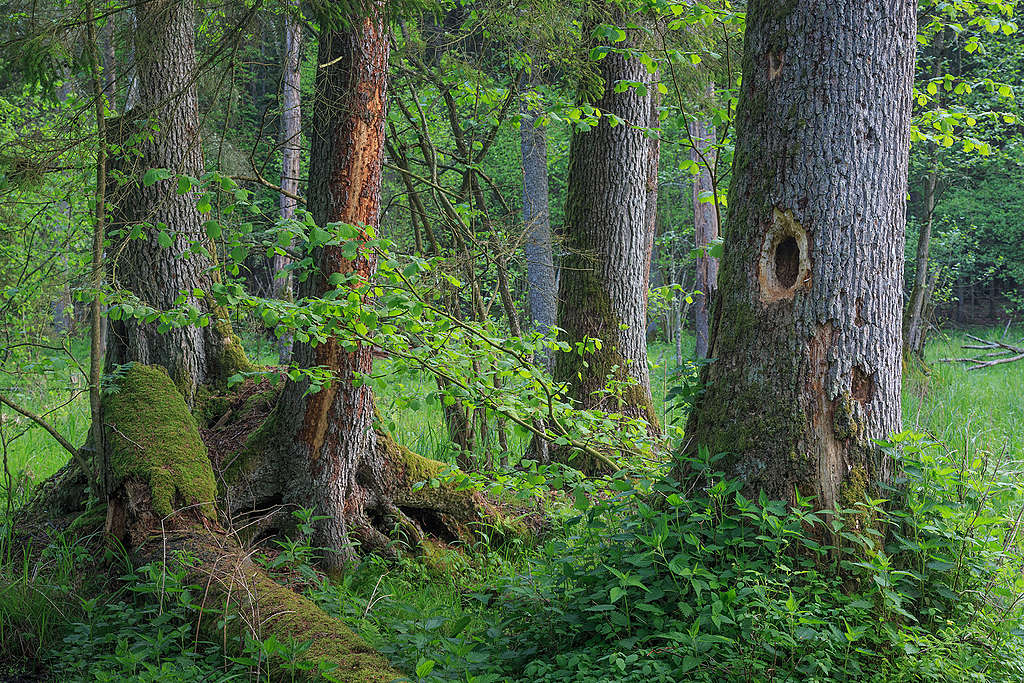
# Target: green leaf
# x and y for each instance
(163, 239)
(213, 229)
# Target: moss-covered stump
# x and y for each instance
(159, 476)
(234, 586)
(162, 497)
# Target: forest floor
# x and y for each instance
(437, 616)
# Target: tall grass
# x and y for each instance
(978, 413)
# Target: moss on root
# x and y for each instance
(230, 355)
(151, 435)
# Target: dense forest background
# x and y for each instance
(411, 341)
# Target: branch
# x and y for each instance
(53, 432)
(998, 353)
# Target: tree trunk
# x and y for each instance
(291, 151)
(705, 222)
(539, 247)
(915, 327)
(806, 334)
(324, 451)
(603, 285)
(653, 162)
(158, 276)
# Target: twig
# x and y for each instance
(52, 432)
(998, 353)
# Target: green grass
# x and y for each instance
(975, 413)
(982, 410)
(445, 610)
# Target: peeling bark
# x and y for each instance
(806, 333)
(325, 452)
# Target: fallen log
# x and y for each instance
(997, 353)
(161, 508)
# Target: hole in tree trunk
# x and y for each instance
(787, 262)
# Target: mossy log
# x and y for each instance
(162, 500)
(234, 585)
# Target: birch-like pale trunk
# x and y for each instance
(291, 151)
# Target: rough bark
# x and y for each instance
(539, 246)
(603, 286)
(806, 333)
(324, 450)
(291, 149)
(166, 96)
(705, 223)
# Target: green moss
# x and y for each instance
(209, 407)
(150, 434)
(441, 560)
(293, 616)
(854, 488)
(230, 358)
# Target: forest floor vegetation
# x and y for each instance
(637, 578)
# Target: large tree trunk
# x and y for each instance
(165, 68)
(705, 222)
(539, 247)
(603, 287)
(806, 335)
(324, 451)
(291, 150)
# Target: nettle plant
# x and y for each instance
(691, 580)
(400, 311)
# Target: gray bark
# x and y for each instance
(705, 222)
(806, 335)
(291, 150)
(166, 96)
(538, 247)
(603, 286)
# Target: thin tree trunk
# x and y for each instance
(291, 151)
(705, 222)
(109, 64)
(915, 326)
(805, 337)
(653, 162)
(603, 285)
(98, 476)
(539, 247)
